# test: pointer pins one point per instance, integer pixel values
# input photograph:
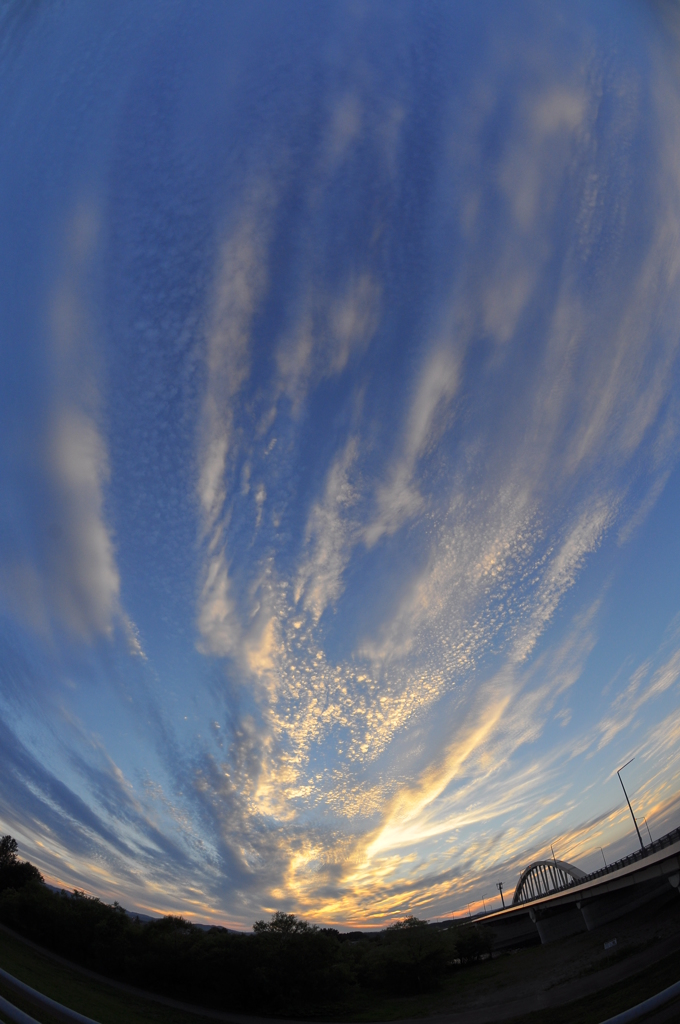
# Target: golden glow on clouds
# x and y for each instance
(330, 740)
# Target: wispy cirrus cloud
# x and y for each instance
(66, 575)
(641, 688)
(331, 535)
(240, 281)
(398, 498)
(327, 331)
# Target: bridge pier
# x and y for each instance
(553, 923)
(599, 910)
(513, 932)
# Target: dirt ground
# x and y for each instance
(544, 977)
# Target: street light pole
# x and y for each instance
(648, 832)
(618, 772)
(603, 857)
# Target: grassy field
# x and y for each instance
(102, 1002)
(108, 1005)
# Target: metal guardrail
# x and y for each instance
(659, 844)
(51, 1006)
(655, 847)
(14, 1014)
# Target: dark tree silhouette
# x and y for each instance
(8, 851)
(15, 873)
(284, 925)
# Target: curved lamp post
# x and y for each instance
(618, 772)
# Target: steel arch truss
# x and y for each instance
(543, 877)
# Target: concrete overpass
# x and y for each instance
(554, 899)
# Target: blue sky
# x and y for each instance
(339, 407)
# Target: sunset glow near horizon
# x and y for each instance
(340, 419)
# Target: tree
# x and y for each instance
(408, 922)
(411, 956)
(283, 925)
(15, 873)
(8, 851)
(472, 942)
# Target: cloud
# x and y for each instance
(218, 620)
(329, 328)
(240, 282)
(629, 701)
(562, 570)
(508, 712)
(344, 128)
(86, 584)
(72, 579)
(330, 534)
(398, 499)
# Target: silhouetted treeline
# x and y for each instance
(15, 873)
(285, 967)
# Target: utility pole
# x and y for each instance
(499, 886)
(618, 772)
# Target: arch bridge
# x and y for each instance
(544, 877)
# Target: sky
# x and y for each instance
(340, 421)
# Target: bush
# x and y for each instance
(409, 958)
(471, 943)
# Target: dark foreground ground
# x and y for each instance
(572, 982)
